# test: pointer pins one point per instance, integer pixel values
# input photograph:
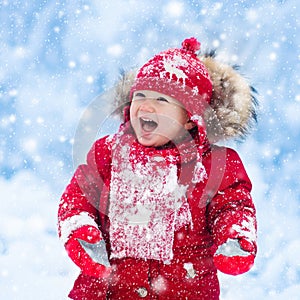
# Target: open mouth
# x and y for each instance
(148, 125)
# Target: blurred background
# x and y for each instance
(56, 57)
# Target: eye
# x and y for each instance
(162, 99)
(138, 96)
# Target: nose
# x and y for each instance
(147, 105)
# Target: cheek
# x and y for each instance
(132, 110)
(133, 120)
(134, 124)
(180, 116)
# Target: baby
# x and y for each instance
(158, 208)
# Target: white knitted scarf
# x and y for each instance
(147, 203)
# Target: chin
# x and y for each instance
(146, 143)
(149, 142)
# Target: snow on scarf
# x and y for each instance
(147, 203)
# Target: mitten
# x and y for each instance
(86, 248)
(235, 256)
(235, 239)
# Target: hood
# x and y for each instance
(232, 111)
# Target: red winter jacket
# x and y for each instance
(219, 201)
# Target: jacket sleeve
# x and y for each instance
(79, 204)
(231, 212)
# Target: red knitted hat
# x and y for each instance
(180, 74)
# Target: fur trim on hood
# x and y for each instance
(233, 102)
(233, 105)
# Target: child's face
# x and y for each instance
(157, 118)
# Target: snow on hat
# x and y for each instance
(178, 73)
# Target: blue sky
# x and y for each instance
(56, 57)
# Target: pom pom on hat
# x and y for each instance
(191, 45)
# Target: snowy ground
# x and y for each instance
(56, 57)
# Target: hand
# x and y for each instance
(235, 256)
(76, 248)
